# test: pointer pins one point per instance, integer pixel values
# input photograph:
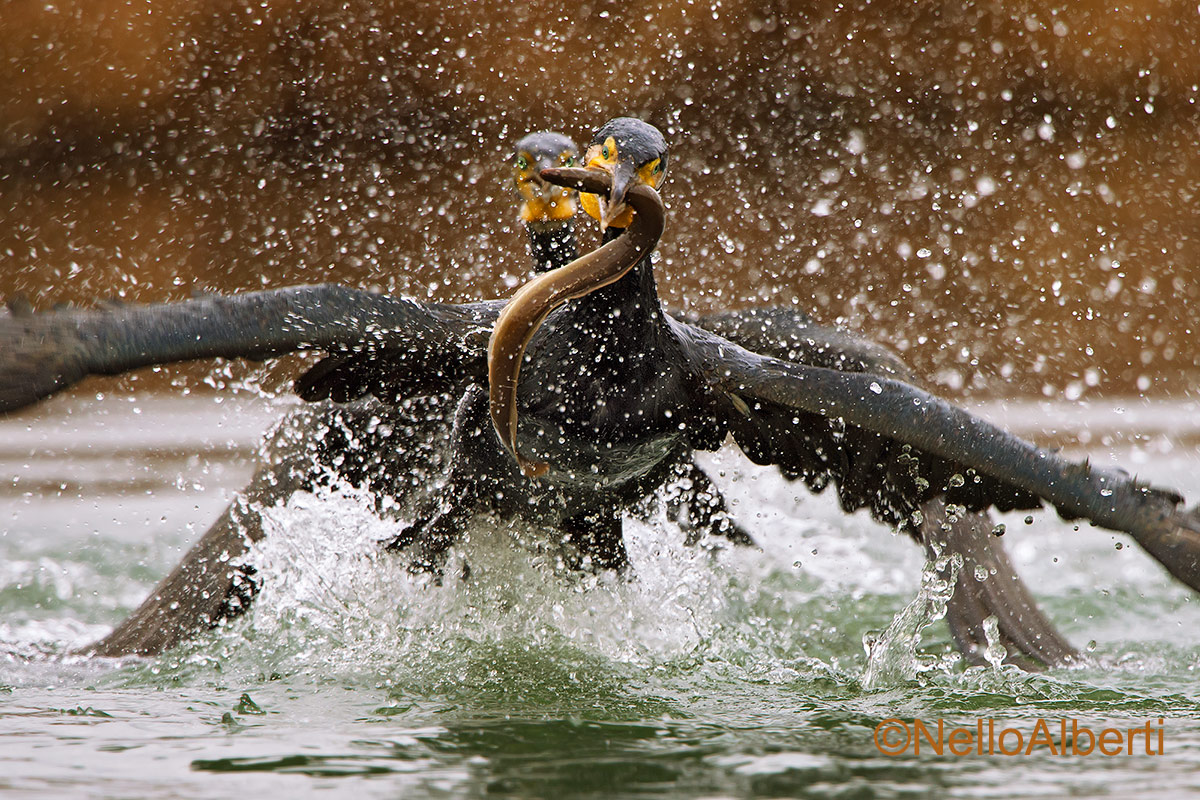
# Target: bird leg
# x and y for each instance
(698, 507)
(440, 525)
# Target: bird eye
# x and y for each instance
(568, 160)
(605, 153)
(522, 162)
(658, 168)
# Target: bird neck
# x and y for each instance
(551, 244)
(524, 314)
(634, 296)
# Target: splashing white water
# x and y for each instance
(331, 591)
(892, 657)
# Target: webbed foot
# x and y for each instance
(698, 507)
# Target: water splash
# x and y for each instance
(893, 658)
(333, 599)
(995, 652)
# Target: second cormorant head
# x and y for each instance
(634, 152)
(543, 202)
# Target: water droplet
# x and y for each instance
(999, 529)
(245, 705)
(995, 652)
(956, 481)
(1029, 520)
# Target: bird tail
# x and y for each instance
(988, 586)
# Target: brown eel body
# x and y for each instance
(534, 301)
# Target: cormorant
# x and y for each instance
(391, 447)
(598, 398)
(615, 393)
(547, 211)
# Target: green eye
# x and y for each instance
(568, 160)
(605, 153)
(658, 168)
(522, 162)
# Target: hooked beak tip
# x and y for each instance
(614, 206)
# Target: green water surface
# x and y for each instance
(708, 674)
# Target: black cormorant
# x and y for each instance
(614, 394)
(547, 211)
(392, 447)
(612, 391)
(595, 398)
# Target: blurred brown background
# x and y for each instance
(1006, 191)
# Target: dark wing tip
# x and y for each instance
(40, 354)
(1174, 541)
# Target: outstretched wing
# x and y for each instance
(44, 352)
(890, 446)
(1028, 636)
(789, 334)
(392, 366)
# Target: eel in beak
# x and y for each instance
(533, 302)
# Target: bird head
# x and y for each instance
(542, 201)
(633, 152)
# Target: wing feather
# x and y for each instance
(890, 446)
(44, 352)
